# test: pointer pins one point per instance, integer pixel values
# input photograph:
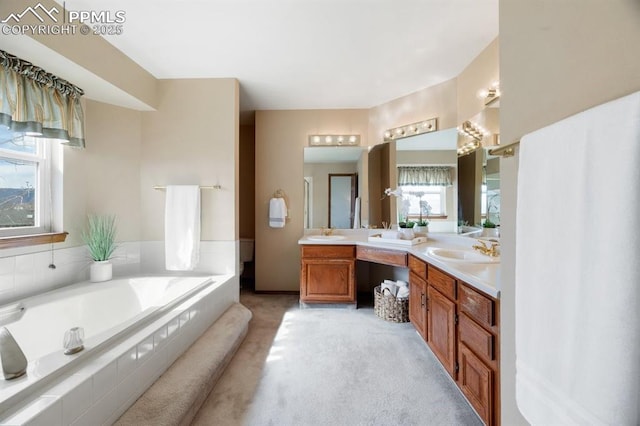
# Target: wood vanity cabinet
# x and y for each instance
(478, 352)
(327, 274)
(442, 317)
(418, 295)
(382, 256)
(460, 324)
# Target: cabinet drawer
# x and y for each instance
(329, 252)
(477, 306)
(443, 282)
(418, 267)
(386, 257)
(475, 337)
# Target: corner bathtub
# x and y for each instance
(134, 329)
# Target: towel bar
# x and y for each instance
(506, 150)
(202, 187)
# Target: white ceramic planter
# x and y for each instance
(100, 271)
(421, 231)
(490, 232)
(407, 233)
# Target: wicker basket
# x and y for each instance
(387, 307)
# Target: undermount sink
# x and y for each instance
(464, 256)
(326, 237)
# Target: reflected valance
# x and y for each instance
(35, 102)
(425, 175)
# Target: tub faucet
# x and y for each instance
(14, 363)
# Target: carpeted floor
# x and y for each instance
(331, 367)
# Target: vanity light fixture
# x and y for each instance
(334, 140)
(468, 147)
(490, 95)
(425, 126)
(473, 132)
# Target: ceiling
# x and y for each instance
(293, 54)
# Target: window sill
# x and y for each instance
(32, 240)
(415, 218)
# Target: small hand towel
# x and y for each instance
(356, 214)
(277, 212)
(182, 227)
(577, 270)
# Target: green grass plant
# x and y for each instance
(100, 236)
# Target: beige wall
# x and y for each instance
(438, 101)
(104, 177)
(280, 139)
(192, 139)
(480, 74)
(557, 59)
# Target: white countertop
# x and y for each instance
(483, 276)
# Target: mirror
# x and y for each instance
(342, 199)
(491, 197)
(431, 150)
(332, 182)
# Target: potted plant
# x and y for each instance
(422, 225)
(489, 229)
(100, 239)
(421, 228)
(406, 228)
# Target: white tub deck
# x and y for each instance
(133, 332)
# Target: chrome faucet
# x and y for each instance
(484, 249)
(14, 363)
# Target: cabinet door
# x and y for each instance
(441, 321)
(328, 280)
(476, 382)
(418, 304)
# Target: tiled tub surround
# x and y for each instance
(101, 382)
(25, 271)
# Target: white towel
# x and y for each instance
(277, 212)
(389, 285)
(356, 214)
(577, 269)
(182, 227)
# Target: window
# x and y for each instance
(416, 196)
(25, 181)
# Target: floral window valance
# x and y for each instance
(35, 102)
(424, 175)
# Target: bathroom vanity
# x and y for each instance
(453, 305)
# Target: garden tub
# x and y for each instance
(128, 323)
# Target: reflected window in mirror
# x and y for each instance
(424, 201)
(490, 200)
(425, 189)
